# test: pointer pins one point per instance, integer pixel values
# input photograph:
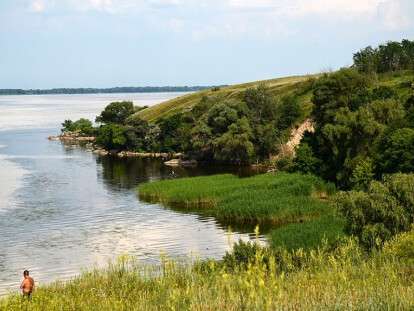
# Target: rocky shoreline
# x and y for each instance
(173, 159)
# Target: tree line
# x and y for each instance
(237, 131)
(392, 56)
(141, 89)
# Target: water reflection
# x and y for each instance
(63, 209)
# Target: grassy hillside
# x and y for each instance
(278, 87)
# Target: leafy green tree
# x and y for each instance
(235, 145)
(305, 161)
(343, 89)
(349, 124)
(396, 151)
(363, 174)
(388, 57)
(386, 209)
(202, 141)
(67, 126)
(261, 103)
(174, 133)
(116, 112)
(409, 106)
(112, 136)
(136, 132)
(288, 112)
(220, 116)
(82, 126)
(366, 60)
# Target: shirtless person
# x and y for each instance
(27, 285)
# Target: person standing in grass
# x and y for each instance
(27, 285)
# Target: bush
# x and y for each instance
(112, 136)
(386, 209)
(116, 112)
(83, 126)
(244, 253)
(402, 247)
(305, 161)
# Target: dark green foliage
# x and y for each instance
(362, 175)
(355, 122)
(396, 151)
(136, 133)
(383, 92)
(409, 106)
(241, 131)
(288, 112)
(83, 126)
(344, 127)
(305, 161)
(112, 136)
(235, 145)
(386, 209)
(244, 253)
(116, 112)
(174, 133)
(391, 56)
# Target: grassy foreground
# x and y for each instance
(345, 278)
(294, 203)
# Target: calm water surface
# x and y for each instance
(63, 209)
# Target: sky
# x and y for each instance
(106, 43)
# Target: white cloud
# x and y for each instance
(392, 15)
(38, 6)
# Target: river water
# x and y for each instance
(64, 209)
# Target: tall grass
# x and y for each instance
(294, 205)
(343, 279)
(269, 198)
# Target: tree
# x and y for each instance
(202, 141)
(261, 104)
(288, 112)
(386, 209)
(116, 112)
(136, 132)
(363, 174)
(305, 161)
(235, 145)
(366, 60)
(112, 136)
(396, 151)
(82, 126)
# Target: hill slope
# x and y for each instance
(278, 87)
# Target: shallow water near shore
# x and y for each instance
(64, 209)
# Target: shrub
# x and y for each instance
(116, 112)
(402, 246)
(305, 161)
(244, 253)
(386, 209)
(112, 136)
(83, 126)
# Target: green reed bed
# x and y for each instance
(345, 278)
(269, 198)
(294, 205)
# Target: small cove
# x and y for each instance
(64, 209)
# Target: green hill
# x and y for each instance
(278, 87)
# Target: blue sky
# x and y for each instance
(103, 43)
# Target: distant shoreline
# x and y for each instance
(112, 90)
